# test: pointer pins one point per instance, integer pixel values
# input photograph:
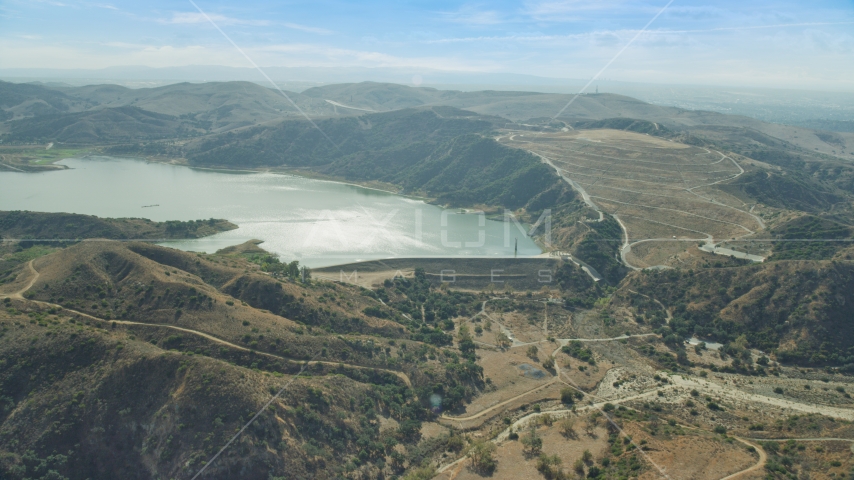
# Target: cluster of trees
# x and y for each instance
(600, 249)
(176, 228)
(577, 350)
(31, 466)
(812, 229)
(569, 395)
(416, 297)
(275, 267)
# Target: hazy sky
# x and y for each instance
(756, 43)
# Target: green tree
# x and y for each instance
(587, 457)
(567, 395)
(397, 460)
(567, 427)
(482, 455)
(578, 466)
(533, 353)
(549, 363)
(532, 443)
(549, 466)
(502, 340)
(422, 473)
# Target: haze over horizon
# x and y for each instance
(777, 45)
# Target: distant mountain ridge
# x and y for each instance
(224, 106)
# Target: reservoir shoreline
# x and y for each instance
(316, 221)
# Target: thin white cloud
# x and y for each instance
(195, 18)
(473, 15)
(569, 10)
(131, 46)
(305, 28)
(509, 38)
(598, 35)
(702, 12)
(30, 54)
(323, 55)
(750, 27)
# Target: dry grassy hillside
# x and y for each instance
(171, 352)
(797, 310)
(86, 400)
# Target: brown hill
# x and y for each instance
(147, 283)
(522, 106)
(184, 359)
(796, 309)
(86, 402)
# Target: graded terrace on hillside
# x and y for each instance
(663, 193)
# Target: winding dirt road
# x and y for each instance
(677, 383)
(35, 275)
(763, 459)
(627, 243)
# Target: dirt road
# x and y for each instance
(35, 275)
(763, 459)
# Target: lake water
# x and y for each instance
(317, 222)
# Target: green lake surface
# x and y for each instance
(317, 222)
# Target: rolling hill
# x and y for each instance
(121, 335)
(223, 106)
(797, 310)
(523, 106)
(108, 125)
(38, 225)
(19, 101)
(220, 106)
(422, 151)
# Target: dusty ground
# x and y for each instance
(515, 464)
(659, 189)
(694, 456)
(433, 430)
(655, 253)
(509, 380)
(686, 407)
